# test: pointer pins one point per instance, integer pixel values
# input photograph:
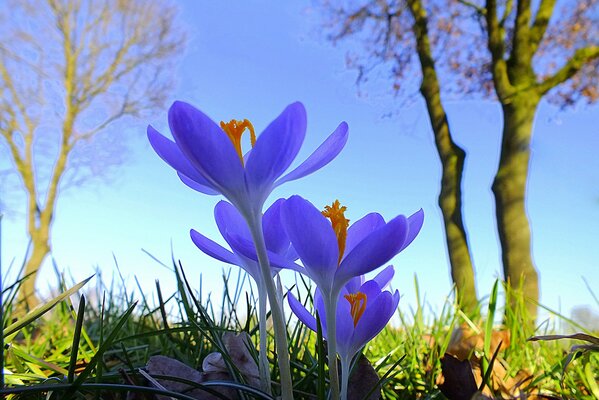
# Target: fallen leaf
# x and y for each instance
(362, 380)
(457, 381)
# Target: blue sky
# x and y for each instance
(244, 62)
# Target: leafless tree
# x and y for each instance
(69, 70)
(515, 51)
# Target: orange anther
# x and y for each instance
(234, 130)
(357, 303)
(335, 213)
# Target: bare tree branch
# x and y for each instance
(575, 63)
(482, 11)
(83, 65)
(509, 5)
(539, 26)
(496, 37)
(520, 55)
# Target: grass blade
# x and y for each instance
(76, 339)
(101, 349)
(41, 310)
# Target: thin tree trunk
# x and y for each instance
(39, 223)
(509, 189)
(40, 218)
(27, 298)
(450, 202)
(452, 162)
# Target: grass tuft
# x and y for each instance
(100, 350)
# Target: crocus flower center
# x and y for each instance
(336, 213)
(357, 303)
(234, 130)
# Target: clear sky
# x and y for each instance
(249, 59)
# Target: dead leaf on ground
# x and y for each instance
(456, 379)
(464, 344)
(214, 368)
(363, 379)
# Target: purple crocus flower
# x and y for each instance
(234, 228)
(361, 313)
(331, 253)
(209, 158)
(231, 224)
(334, 254)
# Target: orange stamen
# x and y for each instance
(357, 302)
(234, 130)
(335, 213)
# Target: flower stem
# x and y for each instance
(331, 319)
(280, 329)
(345, 364)
(264, 365)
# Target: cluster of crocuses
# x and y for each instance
(291, 234)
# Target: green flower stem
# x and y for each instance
(280, 329)
(345, 364)
(330, 305)
(264, 365)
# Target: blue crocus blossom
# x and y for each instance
(231, 225)
(362, 312)
(208, 157)
(332, 254)
(234, 229)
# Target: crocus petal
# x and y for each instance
(213, 249)
(345, 324)
(276, 147)
(252, 268)
(323, 155)
(300, 311)
(290, 253)
(353, 285)
(313, 238)
(415, 222)
(373, 251)
(321, 310)
(274, 235)
(172, 155)
(207, 147)
(246, 248)
(371, 289)
(196, 186)
(230, 221)
(384, 277)
(362, 228)
(375, 317)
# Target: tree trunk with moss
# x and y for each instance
(452, 163)
(519, 90)
(40, 248)
(509, 189)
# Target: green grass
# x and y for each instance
(96, 347)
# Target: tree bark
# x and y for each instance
(452, 163)
(40, 248)
(450, 202)
(509, 189)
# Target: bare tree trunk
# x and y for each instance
(509, 188)
(39, 223)
(452, 162)
(450, 201)
(102, 76)
(27, 298)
